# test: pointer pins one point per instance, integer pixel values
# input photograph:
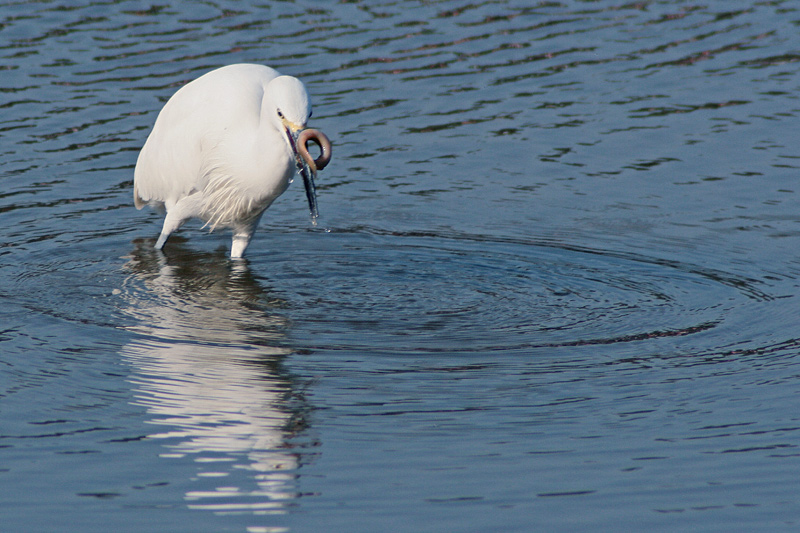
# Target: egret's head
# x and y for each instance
(292, 108)
(290, 99)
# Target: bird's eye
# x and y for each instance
(280, 115)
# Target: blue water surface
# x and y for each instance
(552, 288)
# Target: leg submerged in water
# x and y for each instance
(239, 244)
(242, 233)
(171, 223)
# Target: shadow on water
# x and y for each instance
(208, 370)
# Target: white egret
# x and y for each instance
(224, 147)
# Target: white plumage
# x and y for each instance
(224, 147)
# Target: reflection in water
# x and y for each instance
(208, 371)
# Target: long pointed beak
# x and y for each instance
(307, 165)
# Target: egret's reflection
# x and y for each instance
(207, 367)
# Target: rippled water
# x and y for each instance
(552, 287)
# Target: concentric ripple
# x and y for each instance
(366, 290)
(434, 293)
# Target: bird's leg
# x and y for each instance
(242, 232)
(240, 241)
(161, 240)
(239, 245)
(171, 223)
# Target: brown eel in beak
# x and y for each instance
(308, 166)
